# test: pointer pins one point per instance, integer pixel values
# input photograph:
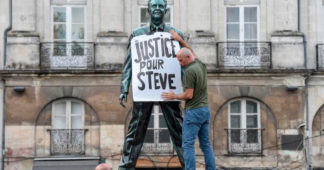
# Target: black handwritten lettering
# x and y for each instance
(142, 83)
(150, 41)
(173, 49)
(142, 65)
(138, 53)
(168, 55)
(161, 62)
(171, 76)
(156, 81)
(163, 80)
(156, 46)
(149, 76)
(162, 46)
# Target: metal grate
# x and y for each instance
(67, 141)
(65, 55)
(244, 55)
(244, 141)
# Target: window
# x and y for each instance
(68, 23)
(145, 17)
(67, 133)
(242, 34)
(242, 23)
(244, 132)
(157, 139)
(68, 48)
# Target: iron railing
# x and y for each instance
(67, 141)
(244, 141)
(67, 55)
(255, 55)
(320, 56)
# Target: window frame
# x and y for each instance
(243, 127)
(68, 9)
(242, 22)
(68, 112)
(68, 140)
(153, 148)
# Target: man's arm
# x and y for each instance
(187, 95)
(183, 43)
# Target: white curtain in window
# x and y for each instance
(68, 114)
(59, 115)
(77, 116)
(242, 23)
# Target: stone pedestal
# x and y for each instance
(287, 50)
(23, 51)
(110, 50)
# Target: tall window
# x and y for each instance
(68, 37)
(67, 133)
(68, 23)
(145, 16)
(157, 139)
(242, 23)
(244, 133)
(242, 34)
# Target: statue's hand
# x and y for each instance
(122, 98)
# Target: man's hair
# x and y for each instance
(165, 1)
(186, 52)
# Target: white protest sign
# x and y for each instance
(155, 68)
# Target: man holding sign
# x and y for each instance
(152, 65)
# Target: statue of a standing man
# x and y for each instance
(142, 110)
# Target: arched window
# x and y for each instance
(244, 131)
(67, 131)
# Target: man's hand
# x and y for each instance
(122, 97)
(168, 96)
(175, 36)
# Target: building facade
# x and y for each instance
(61, 63)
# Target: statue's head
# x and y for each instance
(157, 9)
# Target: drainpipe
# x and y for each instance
(307, 148)
(298, 17)
(3, 153)
(307, 138)
(5, 37)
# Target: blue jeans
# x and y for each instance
(196, 123)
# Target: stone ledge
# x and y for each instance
(113, 70)
(66, 158)
(262, 71)
(285, 33)
(112, 34)
(23, 34)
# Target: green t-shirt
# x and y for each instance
(195, 77)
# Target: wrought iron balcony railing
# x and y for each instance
(67, 55)
(234, 55)
(244, 141)
(320, 56)
(67, 141)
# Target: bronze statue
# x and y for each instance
(142, 110)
